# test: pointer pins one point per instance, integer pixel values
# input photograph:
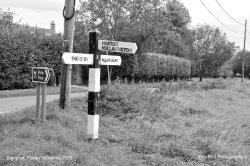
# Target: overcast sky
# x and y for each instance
(238, 9)
(37, 12)
(42, 12)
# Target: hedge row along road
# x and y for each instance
(159, 65)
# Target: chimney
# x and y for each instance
(1, 13)
(53, 26)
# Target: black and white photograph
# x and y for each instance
(124, 83)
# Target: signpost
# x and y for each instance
(117, 46)
(76, 58)
(40, 75)
(87, 59)
(95, 60)
(111, 60)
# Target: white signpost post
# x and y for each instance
(95, 60)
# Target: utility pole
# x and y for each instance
(243, 58)
(69, 18)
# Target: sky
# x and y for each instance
(41, 12)
(37, 12)
(238, 9)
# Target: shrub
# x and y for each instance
(172, 87)
(214, 85)
(21, 50)
(125, 101)
(159, 65)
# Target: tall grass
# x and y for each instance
(137, 127)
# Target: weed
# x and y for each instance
(173, 87)
(137, 127)
(214, 85)
(125, 101)
(176, 151)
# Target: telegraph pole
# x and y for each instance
(243, 58)
(69, 18)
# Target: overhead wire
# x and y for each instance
(228, 13)
(234, 20)
(218, 19)
(248, 43)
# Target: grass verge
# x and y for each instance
(137, 127)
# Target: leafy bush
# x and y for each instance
(20, 50)
(214, 85)
(159, 65)
(172, 87)
(124, 101)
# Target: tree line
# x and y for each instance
(161, 30)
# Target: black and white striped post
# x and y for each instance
(94, 88)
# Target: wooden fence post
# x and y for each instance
(43, 113)
(38, 100)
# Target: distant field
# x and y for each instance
(32, 92)
(177, 124)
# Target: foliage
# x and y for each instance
(124, 105)
(176, 39)
(159, 65)
(17, 56)
(211, 49)
(154, 25)
(237, 63)
(214, 85)
(226, 70)
(174, 87)
(21, 50)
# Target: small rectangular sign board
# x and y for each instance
(117, 46)
(40, 74)
(110, 60)
(77, 58)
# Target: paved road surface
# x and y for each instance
(11, 104)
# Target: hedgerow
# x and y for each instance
(160, 65)
(20, 50)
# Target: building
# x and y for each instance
(7, 16)
(53, 26)
(44, 31)
(1, 13)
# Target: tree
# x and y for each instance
(211, 49)
(7, 18)
(132, 20)
(178, 16)
(226, 70)
(237, 63)
(154, 25)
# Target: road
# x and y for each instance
(11, 104)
